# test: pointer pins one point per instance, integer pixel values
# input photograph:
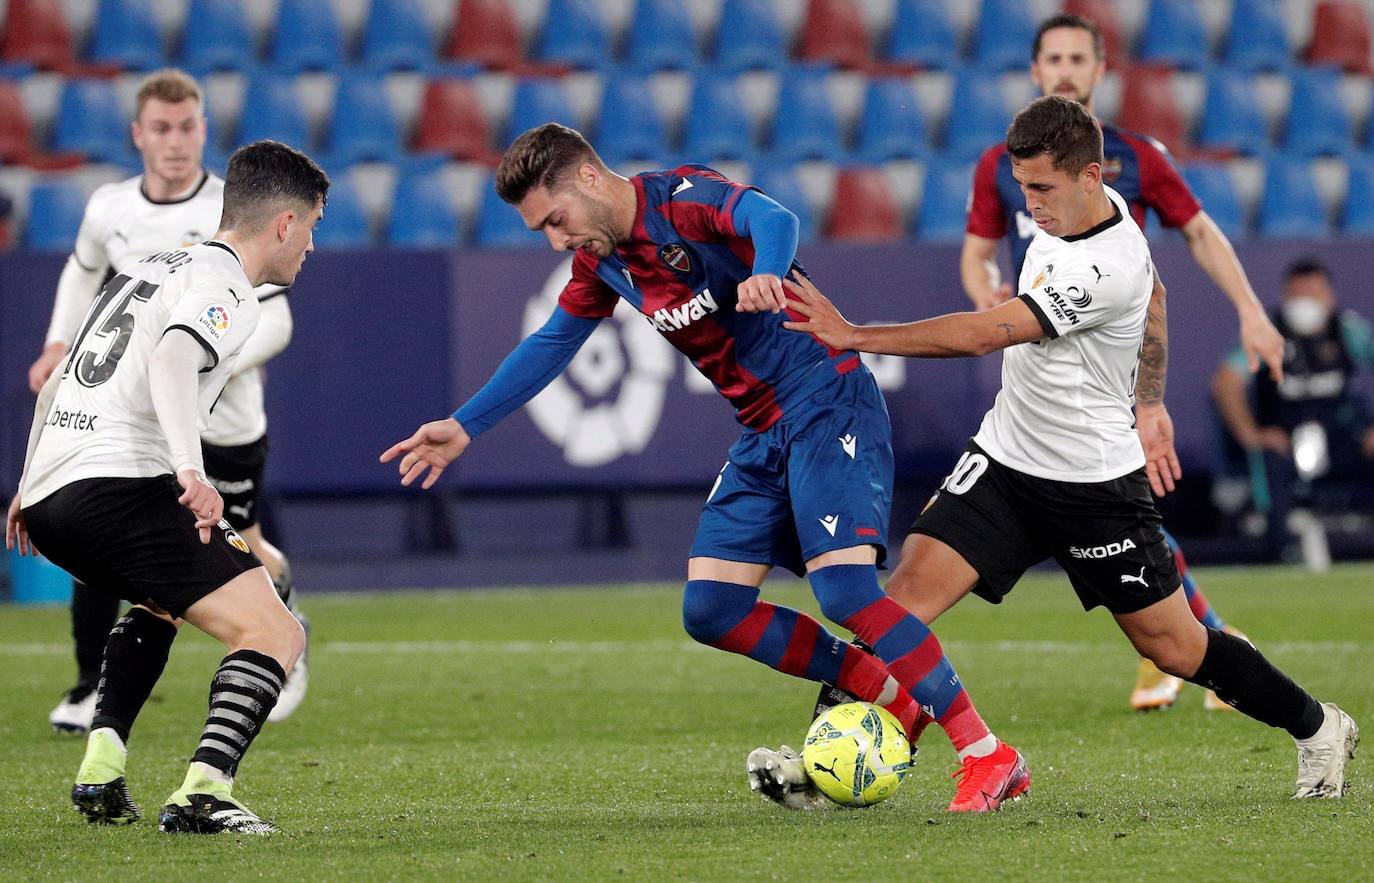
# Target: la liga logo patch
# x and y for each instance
(215, 320)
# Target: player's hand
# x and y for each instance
(432, 447)
(47, 362)
(823, 320)
(780, 777)
(202, 499)
(1262, 342)
(1156, 429)
(999, 295)
(16, 534)
(761, 294)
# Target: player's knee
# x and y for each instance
(1173, 657)
(711, 609)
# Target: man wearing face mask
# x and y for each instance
(1324, 349)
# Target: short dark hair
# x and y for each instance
(542, 157)
(1059, 126)
(1069, 20)
(1307, 265)
(262, 176)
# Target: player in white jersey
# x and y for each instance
(174, 203)
(114, 488)
(1057, 469)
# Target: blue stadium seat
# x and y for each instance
(90, 121)
(538, 101)
(422, 214)
(126, 33)
(1257, 39)
(805, 125)
(275, 112)
(922, 34)
(499, 225)
(629, 126)
(661, 36)
(344, 224)
(717, 126)
(217, 36)
(780, 182)
(1318, 124)
(396, 36)
(1291, 207)
(1212, 184)
(1004, 35)
(1357, 218)
(1231, 115)
(749, 36)
(944, 201)
(892, 126)
(307, 37)
(1174, 34)
(575, 33)
(363, 127)
(979, 114)
(55, 210)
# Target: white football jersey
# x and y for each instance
(1065, 408)
(122, 225)
(102, 423)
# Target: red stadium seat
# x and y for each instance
(834, 31)
(452, 122)
(1149, 106)
(864, 209)
(36, 32)
(16, 135)
(1103, 14)
(487, 33)
(1340, 36)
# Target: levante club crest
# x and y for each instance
(676, 257)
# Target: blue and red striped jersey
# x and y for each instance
(680, 269)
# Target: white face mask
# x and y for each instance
(1305, 315)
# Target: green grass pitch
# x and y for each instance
(578, 734)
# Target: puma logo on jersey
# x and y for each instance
(1111, 550)
(679, 317)
(238, 301)
(1127, 578)
(830, 522)
(1100, 275)
(849, 442)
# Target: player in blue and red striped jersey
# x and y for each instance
(808, 486)
(1068, 59)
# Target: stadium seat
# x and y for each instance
(1318, 124)
(363, 126)
(488, 34)
(1212, 184)
(1291, 207)
(944, 202)
(307, 37)
(55, 210)
(1257, 39)
(661, 36)
(892, 126)
(749, 36)
(396, 36)
(538, 101)
(780, 182)
(422, 214)
(217, 36)
(1231, 116)
(16, 130)
(126, 34)
(864, 209)
(90, 121)
(1174, 34)
(1150, 107)
(922, 34)
(717, 126)
(344, 225)
(629, 125)
(275, 112)
(1003, 38)
(36, 31)
(575, 33)
(1103, 14)
(452, 122)
(499, 225)
(834, 31)
(1340, 36)
(1357, 218)
(979, 114)
(805, 125)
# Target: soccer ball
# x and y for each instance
(856, 754)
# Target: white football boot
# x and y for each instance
(73, 717)
(1321, 759)
(779, 776)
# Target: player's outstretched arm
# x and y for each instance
(1153, 423)
(433, 447)
(774, 231)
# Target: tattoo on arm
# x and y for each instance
(1007, 327)
(1154, 351)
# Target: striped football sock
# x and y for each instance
(242, 693)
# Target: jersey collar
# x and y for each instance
(204, 176)
(1093, 231)
(219, 243)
